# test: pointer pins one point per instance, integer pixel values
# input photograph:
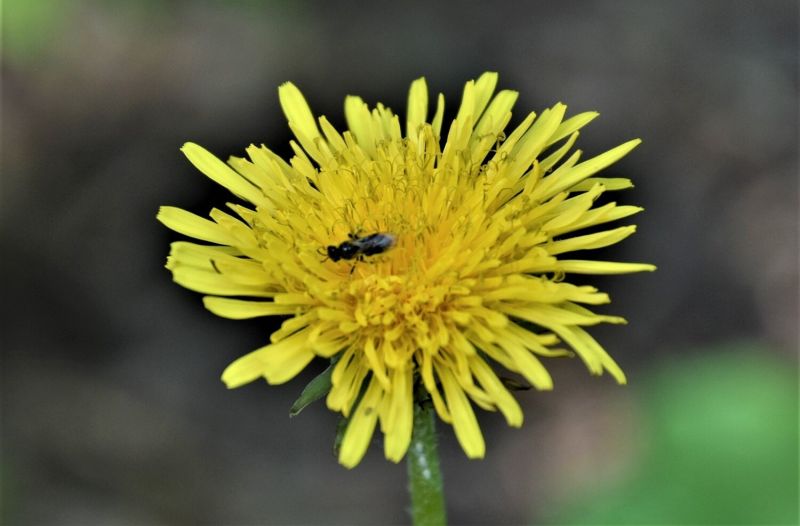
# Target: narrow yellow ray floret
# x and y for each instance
(464, 278)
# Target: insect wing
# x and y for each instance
(375, 243)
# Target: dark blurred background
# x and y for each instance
(112, 407)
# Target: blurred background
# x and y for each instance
(112, 407)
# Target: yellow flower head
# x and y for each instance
(464, 278)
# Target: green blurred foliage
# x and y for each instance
(28, 26)
(720, 432)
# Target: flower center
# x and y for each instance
(393, 306)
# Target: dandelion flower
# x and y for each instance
(473, 284)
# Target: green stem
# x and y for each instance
(424, 474)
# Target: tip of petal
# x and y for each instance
(489, 77)
(191, 148)
(476, 454)
(243, 371)
(287, 87)
(544, 385)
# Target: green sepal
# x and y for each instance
(316, 389)
(513, 384)
(341, 427)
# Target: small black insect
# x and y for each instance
(359, 247)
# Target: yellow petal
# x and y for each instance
(242, 271)
(214, 283)
(184, 253)
(400, 415)
(591, 241)
(604, 214)
(431, 386)
(488, 131)
(278, 362)
(302, 123)
(359, 121)
(417, 107)
(347, 377)
(436, 123)
(221, 173)
(581, 266)
(571, 125)
(497, 391)
(361, 426)
(192, 225)
(477, 95)
(549, 315)
(534, 140)
(241, 309)
(465, 424)
(595, 357)
(551, 160)
(552, 185)
(376, 362)
(527, 364)
(610, 183)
